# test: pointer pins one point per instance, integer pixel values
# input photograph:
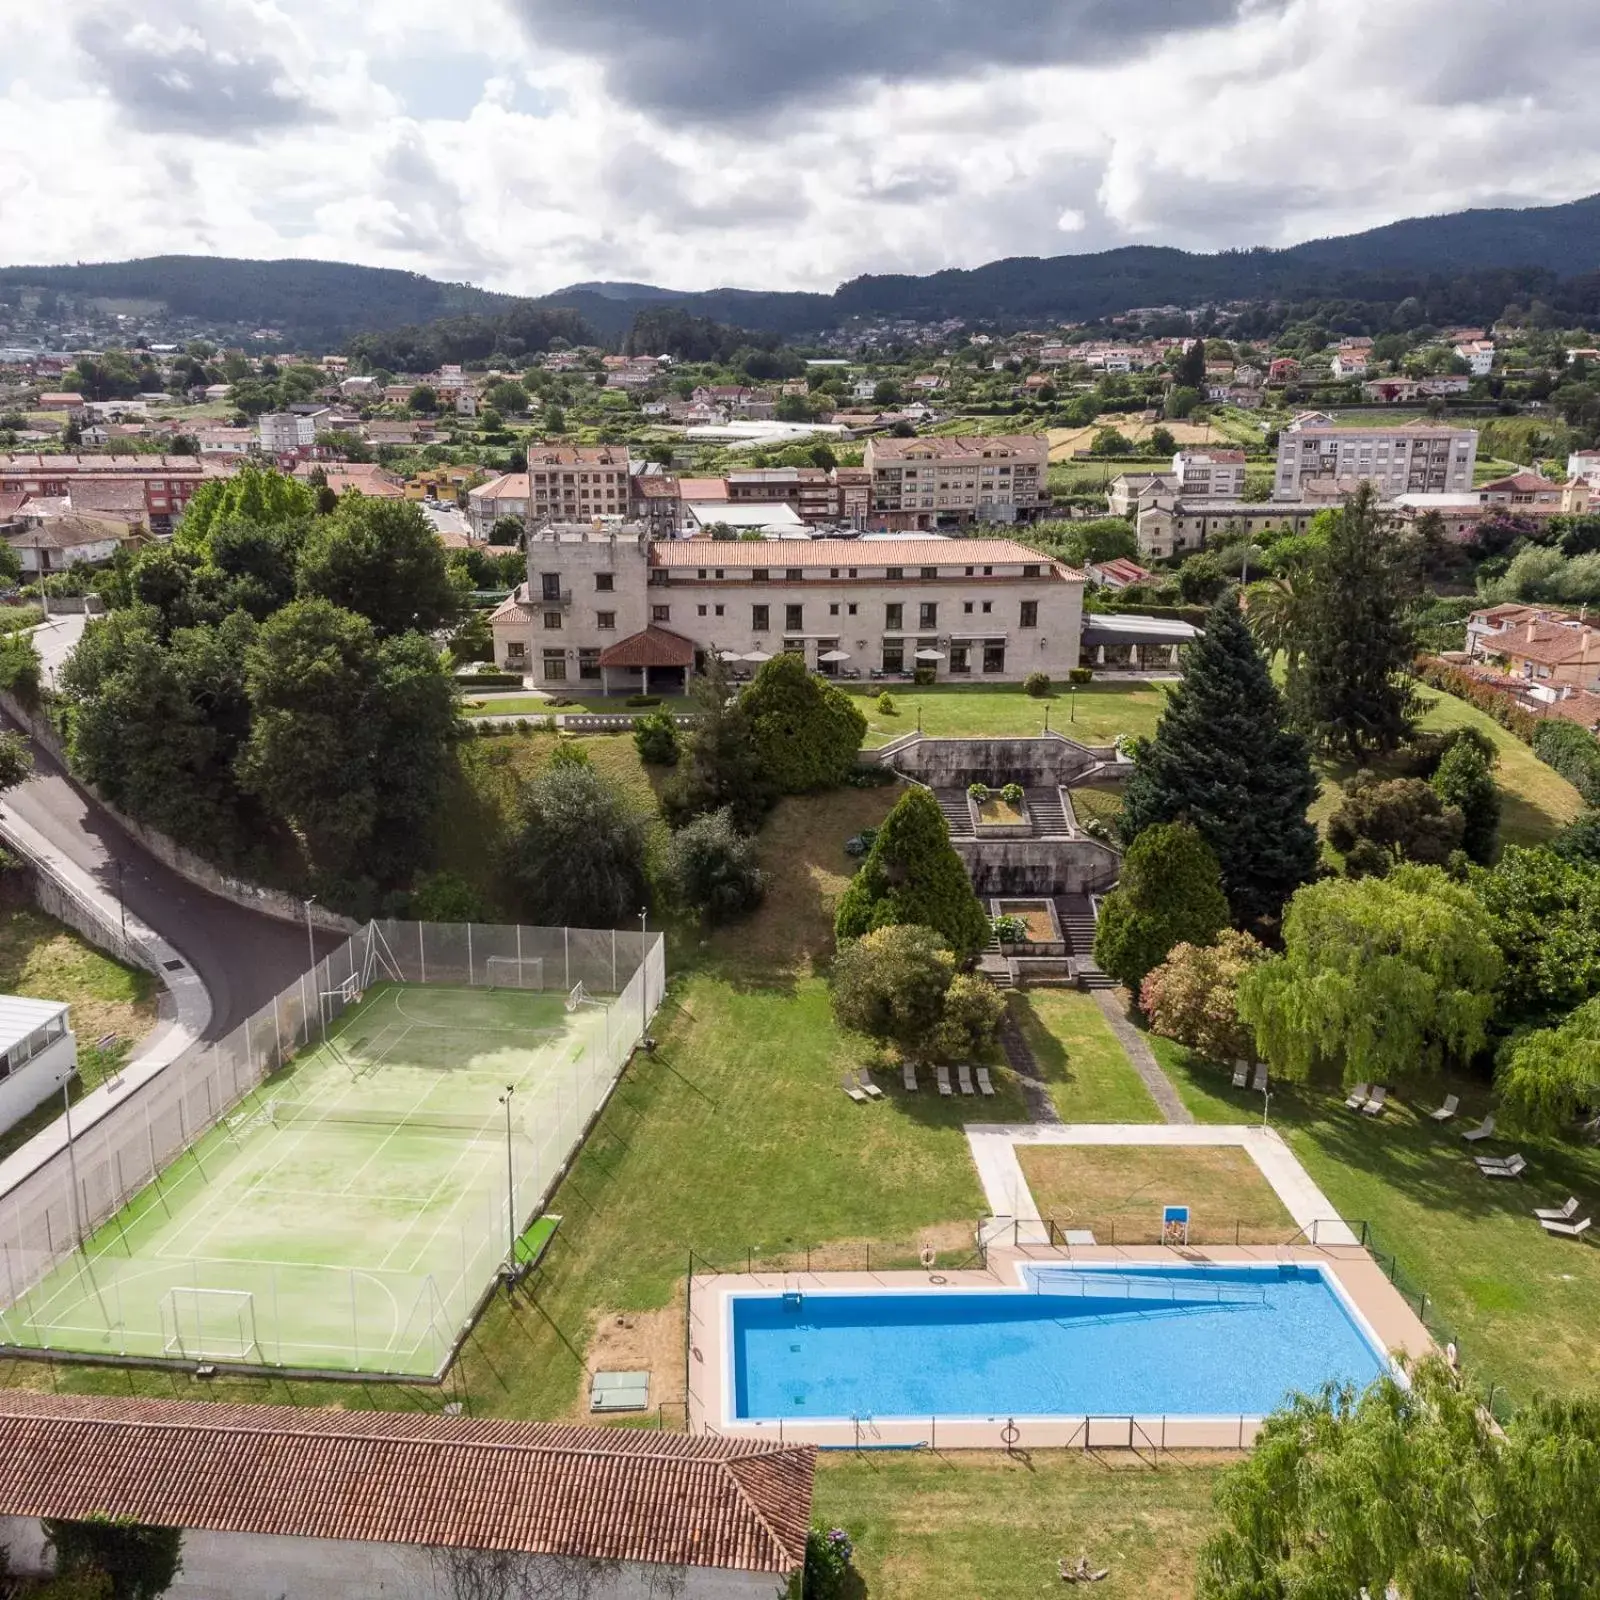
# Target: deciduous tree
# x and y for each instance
(807, 731)
(1170, 894)
(721, 764)
(1465, 782)
(381, 559)
(1193, 996)
(713, 869)
(1384, 821)
(1549, 1079)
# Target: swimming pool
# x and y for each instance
(1200, 1341)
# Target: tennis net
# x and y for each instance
(292, 1113)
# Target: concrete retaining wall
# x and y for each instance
(1049, 759)
(193, 868)
(1010, 867)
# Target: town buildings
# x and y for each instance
(160, 486)
(1413, 457)
(1209, 474)
(284, 432)
(610, 609)
(1542, 644)
(930, 483)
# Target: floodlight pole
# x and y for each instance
(1266, 1100)
(311, 951)
(644, 976)
(511, 1190)
(72, 1157)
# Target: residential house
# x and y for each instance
(951, 482)
(812, 491)
(363, 477)
(570, 482)
(360, 388)
(655, 502)
(1128, 492)
(216, 393)
(855, 495)
(1414, 457)
(1585, 465)
(1117, 573)
(1524, 492)
(1210, 474)
(1538, 643)
(70, 402)
(349, 1504)
(1478, 355)
(1391, 391)
(165, 483)
(1348, 364)
(1169, 526)
(616, 610)
(284, 433)
(1443, 384)
(1284, 370)
(227, 441)
(52, 543)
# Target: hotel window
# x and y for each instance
(930, 572)
(1030, 614)
(758, 575)
(966, 608)
(892, 615)
(719, 611)
(605, 619)
(833, 609)
(588, 663)
(895, 572)
(555, 666)
(552, 620)
(661, 613)
(1030, 572)
(792, 574)
(928, 615)
(850, 610)
(699, 611)
(758, 619)
(791, 618)
(988, 606)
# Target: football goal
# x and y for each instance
(515, 972)
(209, 1324)
(581, 997)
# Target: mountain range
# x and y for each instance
(321, 303)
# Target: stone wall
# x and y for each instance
(1011, 867)
(1050, 760)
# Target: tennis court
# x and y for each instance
(349, 1212)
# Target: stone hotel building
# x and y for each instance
(610, 611)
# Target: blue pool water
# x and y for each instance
(1151, 1341)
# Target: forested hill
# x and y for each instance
(326, 303)
(319, 304)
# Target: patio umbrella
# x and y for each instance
(930, 655)
(758, 655)
(834, 655)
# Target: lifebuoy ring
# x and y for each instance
(928, 1255)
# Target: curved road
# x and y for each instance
(243, 957)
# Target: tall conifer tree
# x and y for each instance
(1222, 761)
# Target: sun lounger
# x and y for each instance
(1561, 1213)
(864, 1078)
(1241, 1074)
(984, 1085)
(1259, 1082)
(964, 1078)
(1358, 1096)
(1452, 1104)
(1566, 1230)
(1511, 1167)
(908, 1076)
(1484, 1130)
(1376, 1101)
(943, 1075)
(853, 1089)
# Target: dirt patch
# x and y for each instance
(638, 1341)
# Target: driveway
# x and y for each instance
(242, 957)
(55, 640)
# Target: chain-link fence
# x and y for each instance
(163, 1135)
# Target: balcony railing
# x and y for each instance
(555, 597)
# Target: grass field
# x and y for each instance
(351, 1211)
(1086, 1070)
(994, 1527)
(1117, 1192)
(1094, 713)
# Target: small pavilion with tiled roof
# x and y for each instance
(652, 647)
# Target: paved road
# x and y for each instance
(243, 958)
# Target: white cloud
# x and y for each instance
(507, 142)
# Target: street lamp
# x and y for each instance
(511, 1191)
(1266, 1101)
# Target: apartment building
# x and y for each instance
(925, 484)
(613, 610)
(810, 490)
(567, 482)
(1210, 474)
(1413, 458)
(165, 483)
(284, 432)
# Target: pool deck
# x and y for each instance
(994, 1150)
(1388, 1319)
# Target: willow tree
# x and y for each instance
(1381, 979)
(1411, 1490)
(1550, 1079)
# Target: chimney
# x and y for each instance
(1531, 626)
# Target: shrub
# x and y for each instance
(807, 731)
(20, 672)
(886, 705)
(1381, 822)
(973, 1012)
(1080, 674)
(1193, 996)
(828, 1555)
(487, 680)
(655, 737)
(891, 983)
(1012, 794)
(1037, 684)
(978, 791)
(872, 777)
(1009, 930)
(1573, 753)
(642, 700)
(445, 897)
(924, 677)
(569, 753)
(140, 1560)
(1465, 783)
(712, 868)
(912, 874)
(1170, 894)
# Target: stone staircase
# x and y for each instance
(957, 813)
(1049, 815)
(1077, 922)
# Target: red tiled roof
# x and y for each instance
(650, 647)
(703, 488)
(1522, 483)
(406, 1478)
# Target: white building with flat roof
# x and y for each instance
(38, 1054)
(1413, 458)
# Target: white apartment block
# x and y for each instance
(284, 432)
(1478, 355)
(1410, 459)
(612, 611)
(567, 483)
(1210, 474)
(926, 484)
(1584, 467)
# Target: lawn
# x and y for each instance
(42, 957)
(963, 1526)
(1087, 1072)
(1094, 713)
(1521, 1306)
(1117, 1192)
(506, 705)
(1535, 799)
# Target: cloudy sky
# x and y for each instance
(528, 144)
